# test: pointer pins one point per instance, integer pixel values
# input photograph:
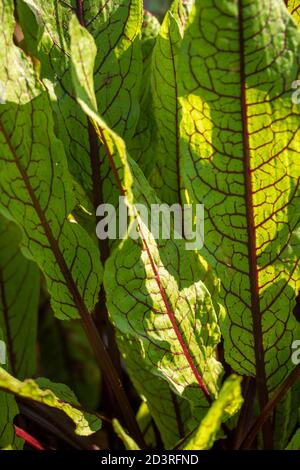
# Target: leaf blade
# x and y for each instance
(40, 392)
(230, 398)
(223, 123)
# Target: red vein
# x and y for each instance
(101, 354)
(252, 251)
(79, 12)
(163, 294)
(172, 318)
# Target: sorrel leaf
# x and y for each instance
(171, 413)
(129, 443)
(8, 411)
(240, 159)
(294, 9)
(286, 417)
(141, 145)
(63, 250)
(53, 395)
(166, 175)
(228, 403)
(201, 109)
(32, 160)
(20, 85)
(163, 304)
(294, 443)
(19, 296)
(116, 27)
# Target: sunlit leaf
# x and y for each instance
(53, 395)
(32, 160)
(240, 148)
(294, 9)
(228, 403)
(162, 301)
(129, 443)
(115, 27)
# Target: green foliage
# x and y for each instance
(227, 404)
(54, 395)
(128, 441)
(98, 101)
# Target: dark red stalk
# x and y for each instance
(30, 440)
(246, 417)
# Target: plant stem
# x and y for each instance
(246, 415)
(105, 363)
(269, 408)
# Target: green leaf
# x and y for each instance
(161, 299)
(171, 413)
(20, 84)
(294, 9)
(141, 145)
(128, 442)
(228, 403)
(145, 422)
(19, 296)
(8, 411)
(116, 27)
(37, 191)
(53, 395)
(286, 417)
(166, 175)
(62, 249)
(294, 443)
(240, 148)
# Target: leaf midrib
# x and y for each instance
(252, 248)
(163, 294)
(177, 125)
(48, 232)
(89, 327)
